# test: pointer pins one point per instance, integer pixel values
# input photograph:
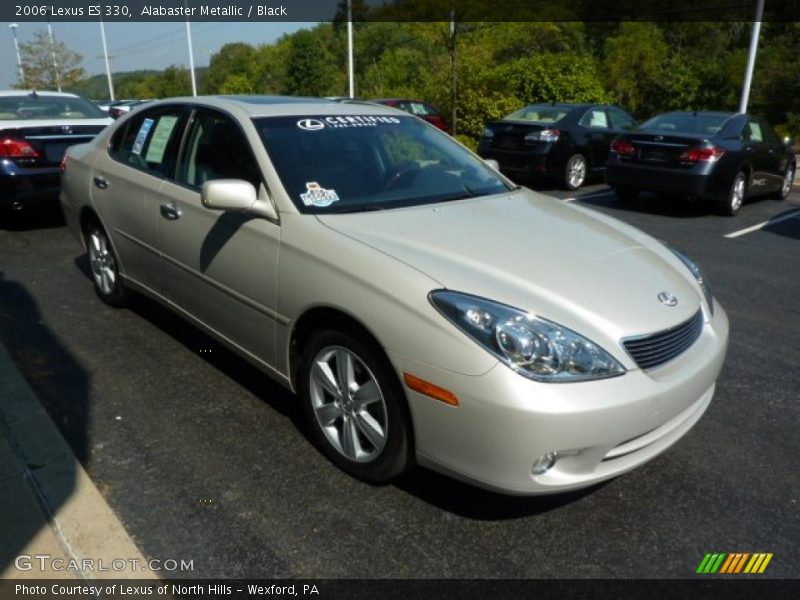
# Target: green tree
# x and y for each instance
(42, 72)
(308, 66)
(238, 60)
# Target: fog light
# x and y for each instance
(544, 463)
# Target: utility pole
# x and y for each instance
(751, 57)
(452, 50)
(53, 52)
(105, 56)
(13, 28)
(350, 79)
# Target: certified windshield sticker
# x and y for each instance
(138, 144)
(317, 195)
(345, 122)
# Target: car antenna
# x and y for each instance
(33, 94)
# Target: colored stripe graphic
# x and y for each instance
(734, 562)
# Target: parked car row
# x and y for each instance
(715, 156)
(423, 307)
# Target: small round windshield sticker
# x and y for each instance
(310, 124)
(316, 195)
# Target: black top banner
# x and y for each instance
(396, 10)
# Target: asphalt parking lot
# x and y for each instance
(202, 457)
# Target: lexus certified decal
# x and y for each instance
(343, 122)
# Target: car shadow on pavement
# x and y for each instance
(664, 206)
(35, 457)
(217, 355)
(40, 216)
(472, 502)
(789, 228)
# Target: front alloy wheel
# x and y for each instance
(103, 263)
(575, 173)
(788, 181)
(354, 406)
(736, 195)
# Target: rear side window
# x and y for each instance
(150, 140)
(595, 118)
(619, 119)
(752, 132)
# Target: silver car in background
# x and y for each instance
(423, 308)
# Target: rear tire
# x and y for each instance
(354, 406)
(575, 172)
(731, 205)
(104, 266)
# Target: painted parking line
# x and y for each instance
(598, 194)
(772, 221)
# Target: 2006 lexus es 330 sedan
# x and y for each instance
(423, 308)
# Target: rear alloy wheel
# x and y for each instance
(575, 172)
(105, 272)
(735, 198)
(788, 181)
(626, 195)
(354, 406)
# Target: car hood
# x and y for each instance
(564, 263)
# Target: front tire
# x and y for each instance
(104, 266)
(735, 198)
(788, 182)
(575, 172)
(354, 406)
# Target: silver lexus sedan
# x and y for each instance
(422, 307)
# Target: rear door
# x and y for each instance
(776, 151)
(758, 153)
(221, 267)
(599, 134)
(126, 183)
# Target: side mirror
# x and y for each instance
(237, 195)
(492, 163)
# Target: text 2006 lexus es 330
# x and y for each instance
(423, 308)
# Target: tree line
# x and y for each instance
(645, 67)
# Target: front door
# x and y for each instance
(221, 267)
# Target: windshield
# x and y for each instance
(31, 107)
(351, 163)
(685, 123)
(538, 113)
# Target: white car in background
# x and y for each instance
(423, 307)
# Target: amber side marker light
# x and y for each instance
(429, 389)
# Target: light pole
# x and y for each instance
(53, 52)
(13, 28)
(191, 52)
(350, 78)
(105, 56)
(751, 57)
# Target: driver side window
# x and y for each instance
(216, 148)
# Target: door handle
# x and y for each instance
(101, 182)
(170, 211)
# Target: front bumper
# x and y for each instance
(20, 186)
(599, 429)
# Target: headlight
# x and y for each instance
(698, 275)
(534, 347)
(488, 133)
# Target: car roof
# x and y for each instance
(6, 93)
(268, 106)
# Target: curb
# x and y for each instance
(73, 520)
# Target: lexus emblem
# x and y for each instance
(310, 124)
(668, 299)
(66, 129)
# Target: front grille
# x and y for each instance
(653, 350)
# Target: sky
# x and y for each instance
(133, 46)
